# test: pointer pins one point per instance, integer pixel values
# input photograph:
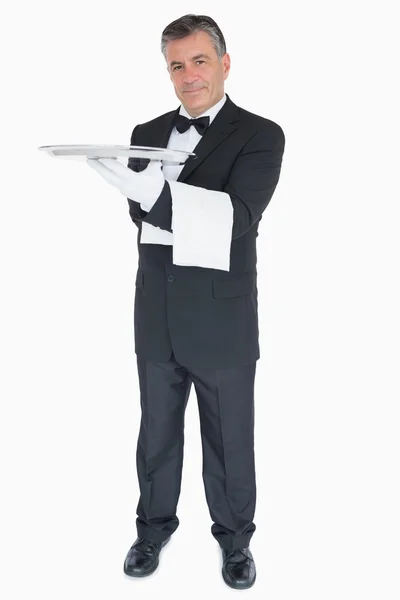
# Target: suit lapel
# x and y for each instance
(225, 122)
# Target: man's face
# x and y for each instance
(196, 72)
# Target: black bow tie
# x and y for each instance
(182, 123)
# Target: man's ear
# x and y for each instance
(226, 63)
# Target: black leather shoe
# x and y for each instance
(142, 558)
(238, 569)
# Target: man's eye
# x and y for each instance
(178, 66)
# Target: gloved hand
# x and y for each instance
(144, 187)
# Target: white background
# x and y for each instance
(327, 385)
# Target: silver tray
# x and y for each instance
(84, 151)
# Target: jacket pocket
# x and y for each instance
(234, 286)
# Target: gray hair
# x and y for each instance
(189, 24)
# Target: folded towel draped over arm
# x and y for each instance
(199, 223)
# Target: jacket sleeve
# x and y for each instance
(254, 177)
(252, 181)
(160, 214)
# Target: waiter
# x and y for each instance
(195, 316)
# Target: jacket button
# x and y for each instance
(171, 278)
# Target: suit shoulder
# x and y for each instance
(160, 119)
(157, 120)
(152, 124)
(261, 124)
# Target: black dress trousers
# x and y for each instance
(226, 409)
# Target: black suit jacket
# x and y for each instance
(207, 317)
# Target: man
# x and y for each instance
(197, 324)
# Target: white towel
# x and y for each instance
(202, 222)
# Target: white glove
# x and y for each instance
(144, 187)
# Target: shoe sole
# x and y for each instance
(130, 574)
(239, 587)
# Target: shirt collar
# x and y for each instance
(211, 112)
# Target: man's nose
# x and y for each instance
(190, 74)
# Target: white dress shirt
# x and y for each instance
(202, 219)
